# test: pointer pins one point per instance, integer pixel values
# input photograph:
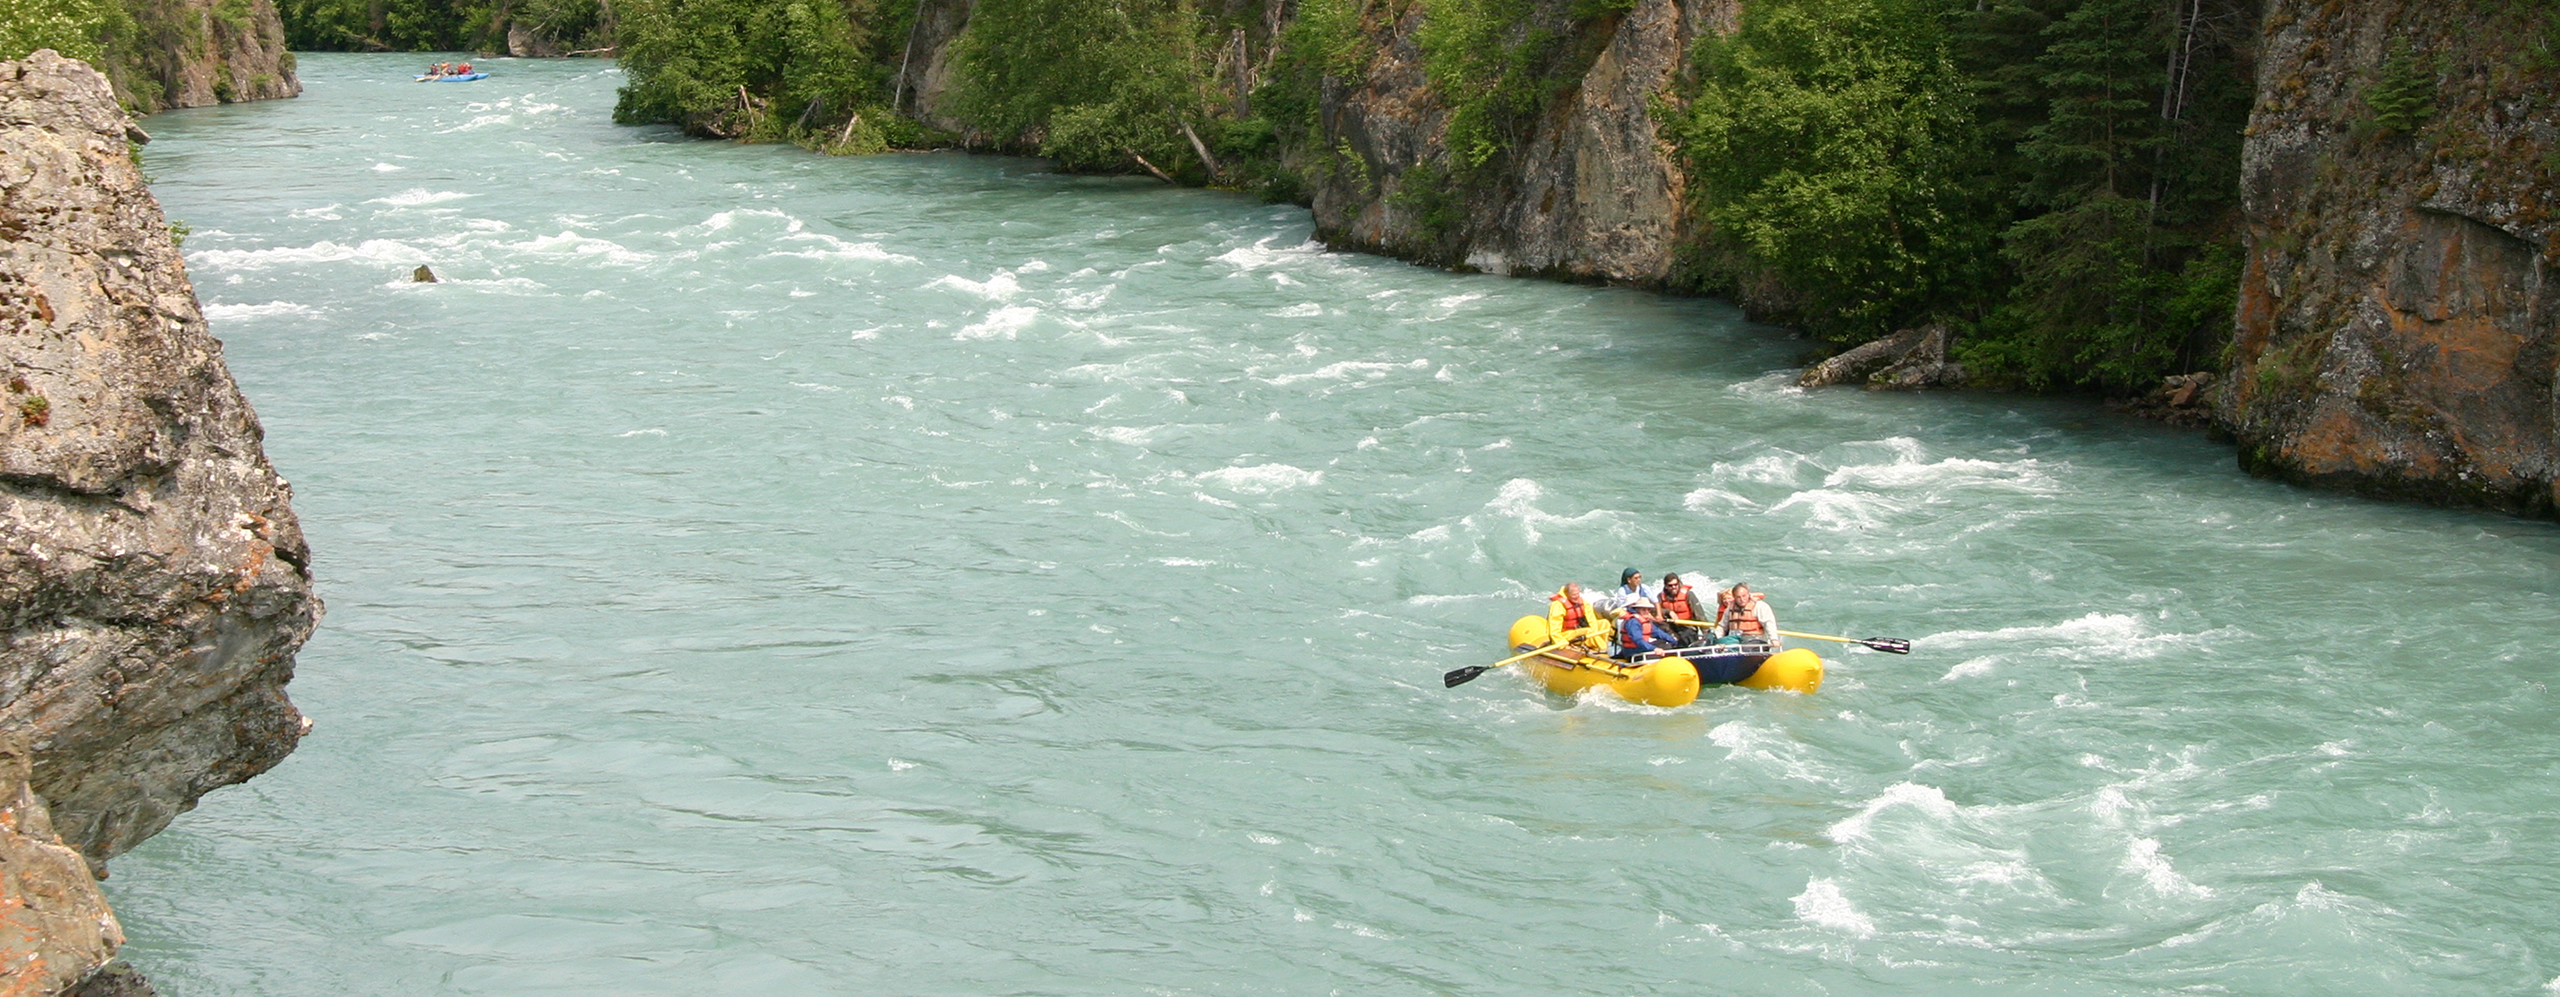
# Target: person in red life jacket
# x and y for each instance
(1747, 615)
(1641, 630)
(1681, 602)
(1570, 617)
(462, 70)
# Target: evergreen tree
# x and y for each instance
(1832, 145)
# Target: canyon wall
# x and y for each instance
(154, 583)
(197, 53)
(205, 52)
(1592, 192)
(2397, 314)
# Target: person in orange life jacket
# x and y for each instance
(1680, 602)
(1747, 615)
(1641, 631)
(1570, 617)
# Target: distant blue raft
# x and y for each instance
(463, 78)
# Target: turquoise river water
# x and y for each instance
(757, 572)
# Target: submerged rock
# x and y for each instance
(153, 579)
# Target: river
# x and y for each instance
(751, 571)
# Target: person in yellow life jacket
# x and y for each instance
(1747, 615)
(1681, 602)
(1570, 617)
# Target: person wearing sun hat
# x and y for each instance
(1640, 630)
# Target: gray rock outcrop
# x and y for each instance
(153, 579)
(2398, 330)
(196, 53)
(1592, 193)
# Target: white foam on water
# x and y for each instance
(1262, 254)
(324, 251)
(996, 288)
(225, 312)
(1970, 667)
(1514, 591)
(1766, 747)
(827, 247)
(2095, 636)
(574, 245)
(1136, 436)
(1346, 370)
(1006, 322)
(2026, 476)
(1824, 906)
(1261, 479)
(417, 197)
(2143, 858)
(1766, 469)
(1185, 562)
(1712, 499)
(1836, 511)
(326, 212)
(1929, 800)
(1307, 309)
(387, 168)
(870, 333)
(1517, 501)
(478, 122)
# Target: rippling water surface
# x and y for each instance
(756, 572)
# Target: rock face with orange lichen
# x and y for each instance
(153, 586)
(2396, 331)
(55, 928)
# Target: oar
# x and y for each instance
(1889, 645)
(1461, 676)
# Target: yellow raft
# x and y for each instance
(1671, 680)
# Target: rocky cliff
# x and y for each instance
(196, 53)
(204, 52)
(1590, 191)
(153, 579)
(2397, 315)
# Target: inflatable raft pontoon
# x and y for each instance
(1665, 678)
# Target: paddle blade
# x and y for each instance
(1889, 645)
(1461, 676)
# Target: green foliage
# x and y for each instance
(2101, 73)
(749, 69)
(1097, 84)
(1326, 39)
(74, 28)
(436, 25)
(2056, 178)
(2403, 96)
(1482, 55)
(1831, 144)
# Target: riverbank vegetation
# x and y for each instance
(2054, 179)
(544, 27)
(2057, 179)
